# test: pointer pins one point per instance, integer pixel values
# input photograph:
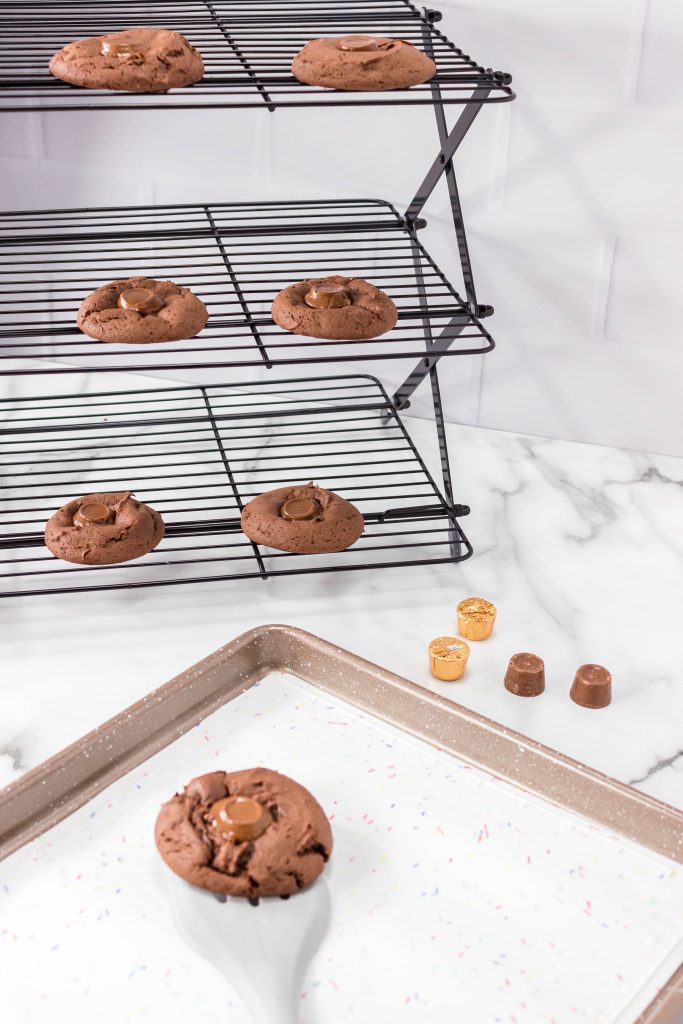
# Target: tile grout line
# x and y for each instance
(640, 19)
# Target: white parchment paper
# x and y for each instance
(455, 896)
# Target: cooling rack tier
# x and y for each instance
(234, 256)
(247, 46)
(198, 455)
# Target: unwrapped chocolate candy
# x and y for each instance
(525, 675)
(592, 687)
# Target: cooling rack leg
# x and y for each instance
(454, 539)
(429, 366)
(443, 164)
(459, 225)
(438, 345)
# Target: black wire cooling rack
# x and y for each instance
(198, 455)
(234, 256)
(247, 46)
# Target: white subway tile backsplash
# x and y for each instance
(20, 136)
(214, 187)
(151, 142)
(582, 48)
(361, 152)
(602, 162)
(381, 152)
(659, 79)
(540, 273)
(42, 185)
(563, 387)
(646, 299)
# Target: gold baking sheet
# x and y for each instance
(66, 781)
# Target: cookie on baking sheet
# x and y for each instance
(336, 308)
(141, 311)
(103, 529)
(305, 520)
(249, 833)
(362, 63)
(137, 60)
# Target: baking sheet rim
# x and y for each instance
(60, 785)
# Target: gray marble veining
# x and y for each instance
(580, 547)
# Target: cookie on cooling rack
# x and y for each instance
(103, 529)
(249, 833)
(304, 520)
(337, 308)
(151, 60)
(362, 64)
(141, 311)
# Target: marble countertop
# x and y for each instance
(580, 548)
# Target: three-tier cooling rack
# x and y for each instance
(198, 453)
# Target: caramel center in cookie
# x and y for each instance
(141, 300)
(327, 296)
(296, 510)
(94, 515)
(241, 817)
(124, 51)
(358, 44)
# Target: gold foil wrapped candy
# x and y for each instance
(475, 618)
(448, 658)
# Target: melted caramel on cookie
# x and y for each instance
(327, 296)
(124, 51)
(94, 514)
(358, 44)
(296, 510)
(140, 300)
(241, 817)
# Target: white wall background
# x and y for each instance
(572, 197)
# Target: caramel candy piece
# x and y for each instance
(296, 510)
(475, 618)
(94, 515)
(241, 817)
(525, 675)
(592, 687)
(358, 44)
(141, 300)
(448, 658)
(122, 50)
(327, 296)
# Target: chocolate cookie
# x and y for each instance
(103, 529)
(305, 520)
(250, 833)
(141, 311)
(362, 63)
(137, 60)
(338, 308)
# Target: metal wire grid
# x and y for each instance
(198, 455)
(234, 256)
(247, 46)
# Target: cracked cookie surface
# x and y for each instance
(335, 524)
(177, 314)
(138, 60)
(369, 312)
(121, 529)
(284, 858)
(362, 64)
